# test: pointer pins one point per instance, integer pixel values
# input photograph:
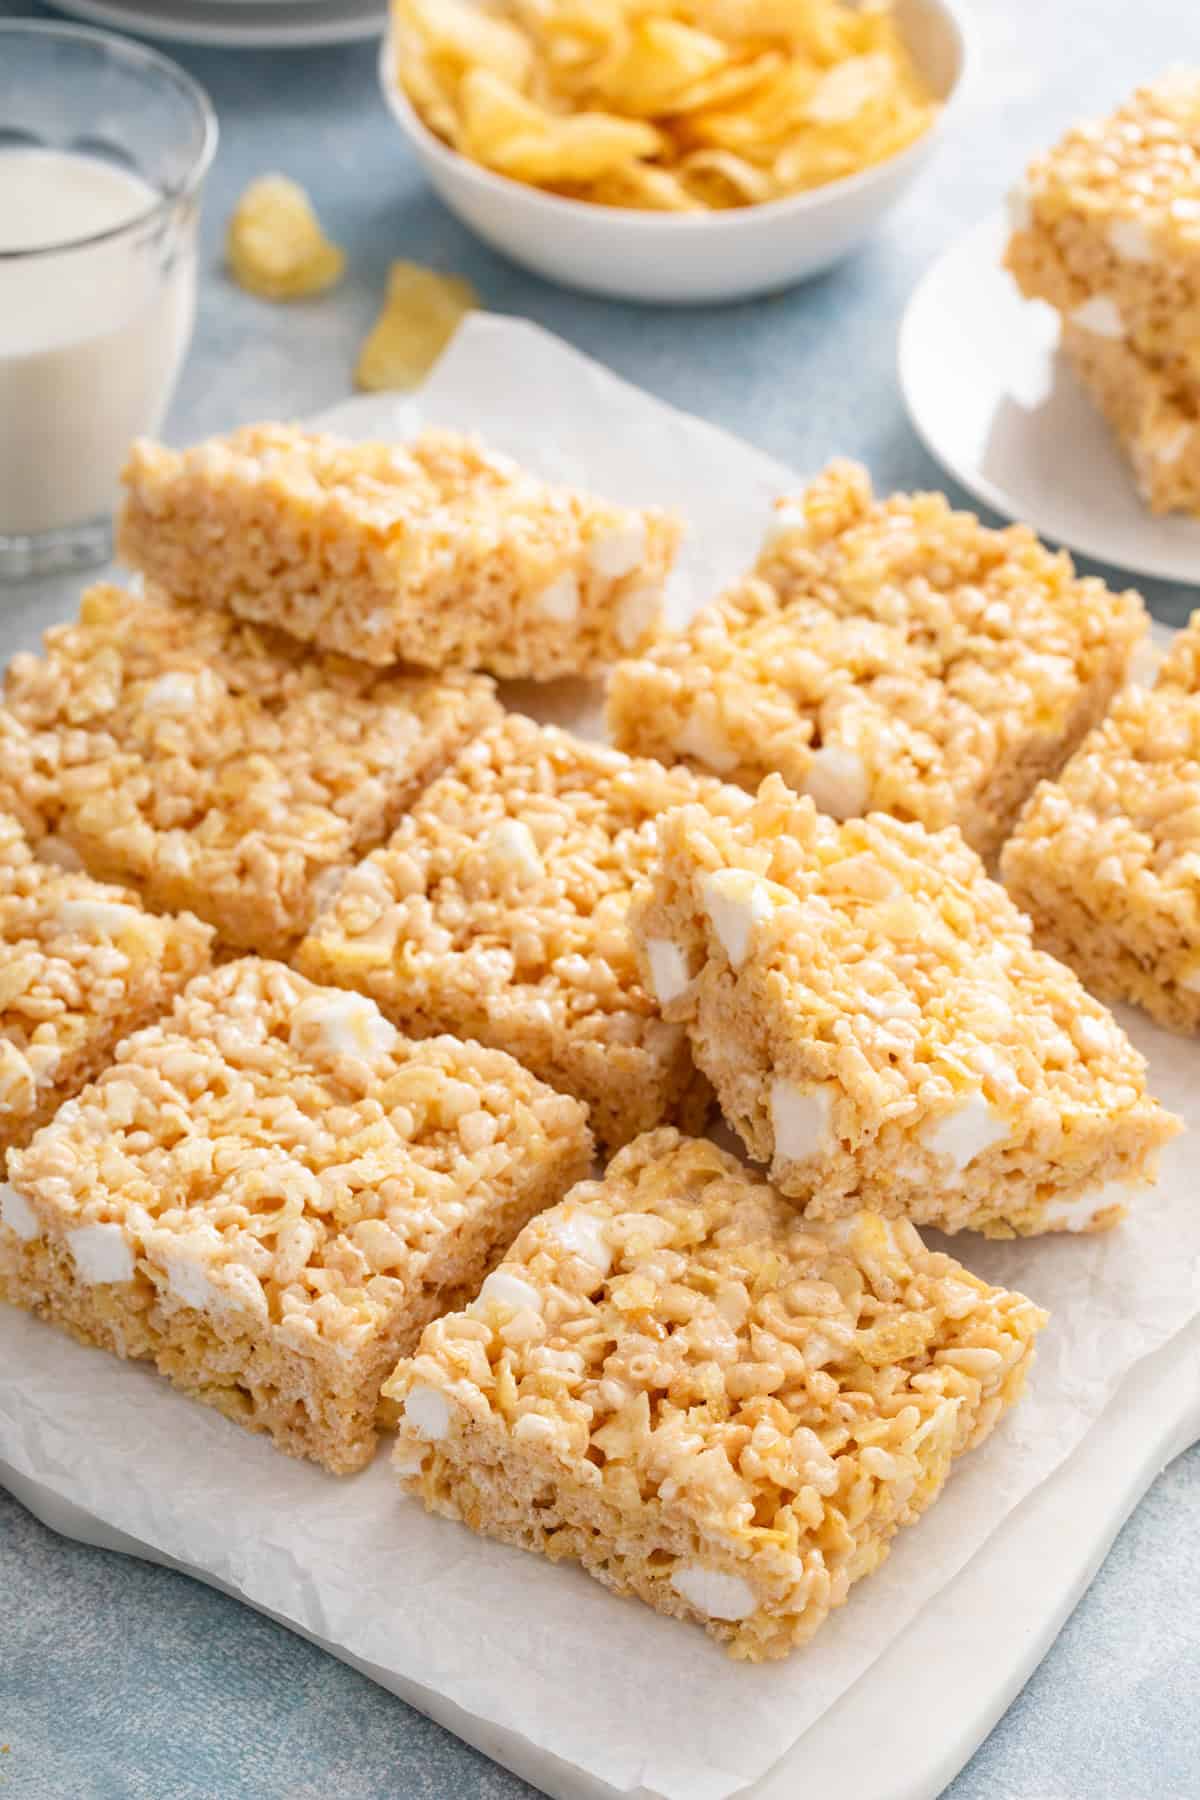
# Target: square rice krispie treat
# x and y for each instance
(498, 911)
(879, 1029)
(216, 766)
(887, 655)
(1106, 225)
(1154, 416)
(270, 1194)
(436, 552)
(707, 1401)
(81, 965)
(1107, 858)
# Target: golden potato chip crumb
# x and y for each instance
(275, 246)
(419, 317)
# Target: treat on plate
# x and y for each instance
(422, 311)
(215, 766)
(880, 1030)
(274, 245)
(1106, 228)
(676, 107)
(81, 965)
(1107, 858)
(887, 655)
(498, 911)
(271, 1193)
(436, 552)
(706, 1400)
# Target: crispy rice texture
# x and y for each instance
(1112, 214)
(438, 552)
(881, 1031)
(1107, 858)
(704, 1399)
(215, 766)
(887, 655)
(271, 1193)
(81, 965)
(1154, 415)
(498, 911)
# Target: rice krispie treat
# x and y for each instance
(81, 965)
(707, 1401)
(1153, 414)
(498, 911)
(270, 1194)
(436, 552)
(1106, 225)
(880, 1030)
(1107, 858)
(213, 765)
(887, 655)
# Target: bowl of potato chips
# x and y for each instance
(672, 150)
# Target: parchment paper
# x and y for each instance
(642, 1704)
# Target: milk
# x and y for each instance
(91, 337)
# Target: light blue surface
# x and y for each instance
(119, 1681)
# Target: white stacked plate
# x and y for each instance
(234, 24)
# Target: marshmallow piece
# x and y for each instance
(1019, 202)
(1078, 1214)
(713, 1592)
(801, 1120)
(347, 1024)
(735, 903)
(173, 693)
(512, 844)
(668, 969)
(18, 1215)
(1101, 316)
(966, 1133)
(107, 918)
(836, 782)
(428, 1412)
(707, 746)
(560, 600)
(188, 1281)
(102, 1254)
(1128, 238)
(582, 1233)
(615, 553)
(636, 614)
(783, 522)
(503, 1289)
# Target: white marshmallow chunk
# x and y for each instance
(107, 918)
(188, 1280)
(707, 746)
(503, 1289)
(837, 783)
(1130, 239)
(18, 1215)
(618, 552)
(668, 969)
(735, 903)
(582, 1233)
(783, 521)
(428, 1412)
(713, 1592)
(801, 1120)
(102, 1253)
(347, 1024)
(967, 1133)
(173, 692)
(1077, 1214)
(637, 613)
(560, 600)
(1101, 316)
(512, 844)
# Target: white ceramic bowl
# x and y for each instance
(687, 258)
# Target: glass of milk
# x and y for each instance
(104, 147)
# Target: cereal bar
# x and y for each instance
(1106, 225)
(879, 1029)
(270, 1194)
(213, 765)
(707, 1401)
(887, 655)
(1154, 415)
(498, 911)
(437, 552)
(1107, 858)
(81, 965)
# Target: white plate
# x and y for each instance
(992, 399)
(253, 25)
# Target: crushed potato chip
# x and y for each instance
(275, 246)
(419, 317)
(673, 105)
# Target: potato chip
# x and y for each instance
(275, 246)
(419, 317)
(667, 105)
